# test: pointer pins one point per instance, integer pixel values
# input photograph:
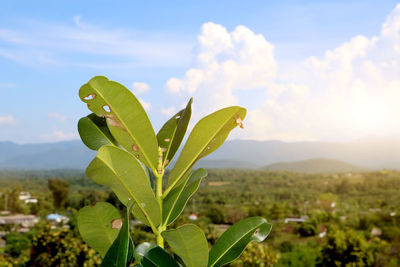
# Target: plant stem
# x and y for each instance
(160, 240)
(159, 173)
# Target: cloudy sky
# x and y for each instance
(305, 70)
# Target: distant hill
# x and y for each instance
(246, 154)
(225, 164)
(61, 155)
(366, 153)
(314, 166)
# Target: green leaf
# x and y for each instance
(234, 240)
(94, 132)
(150, 176)
(121, 251)
(176, 200)
(125, 117)
(207, 135)
(118, 169)
(189, 243)
(151, 255)
(171, 134)
(142, 249)
(95, 226)
(130, 251)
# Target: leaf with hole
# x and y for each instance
(94, 132)
(121, 251)
(234, 240)
(171, 134)
(125, 117)
(151, 255)
(118, 169)
(189, 243)
(95, 226)
(207, 135)
(176, 200)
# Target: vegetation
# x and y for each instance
(364, 201)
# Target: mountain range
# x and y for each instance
(314, 166)
(366, 154)
(61, 155)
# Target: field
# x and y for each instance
(350, 219)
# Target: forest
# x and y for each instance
(342, 219)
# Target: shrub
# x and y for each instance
(257, 255)
(61, 248)
(299, 256)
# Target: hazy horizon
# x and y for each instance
(369, 138)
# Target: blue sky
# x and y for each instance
(268, 56)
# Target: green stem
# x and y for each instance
(160, 240)
(159, 173)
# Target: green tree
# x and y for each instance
(59, 188)
(60, 248)
(276, 211)
(346, 248)
(16, 243)
(308, 228)
(215, 214)
(11, 200)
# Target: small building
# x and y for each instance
(376, 231)
(31, 200)
(26, 221)
(301, 219)
(57, 218)
(193, 217)
(374, 210)
(322, 231)
(27, 198)
(24, 195)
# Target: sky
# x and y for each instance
(304, 70)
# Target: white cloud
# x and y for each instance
(226, 62)
(174, 85)
(140, 88)
(353, 91)
(169, 111)
(57, 116)
(58, 135)
(146, 105)
(7, 120)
